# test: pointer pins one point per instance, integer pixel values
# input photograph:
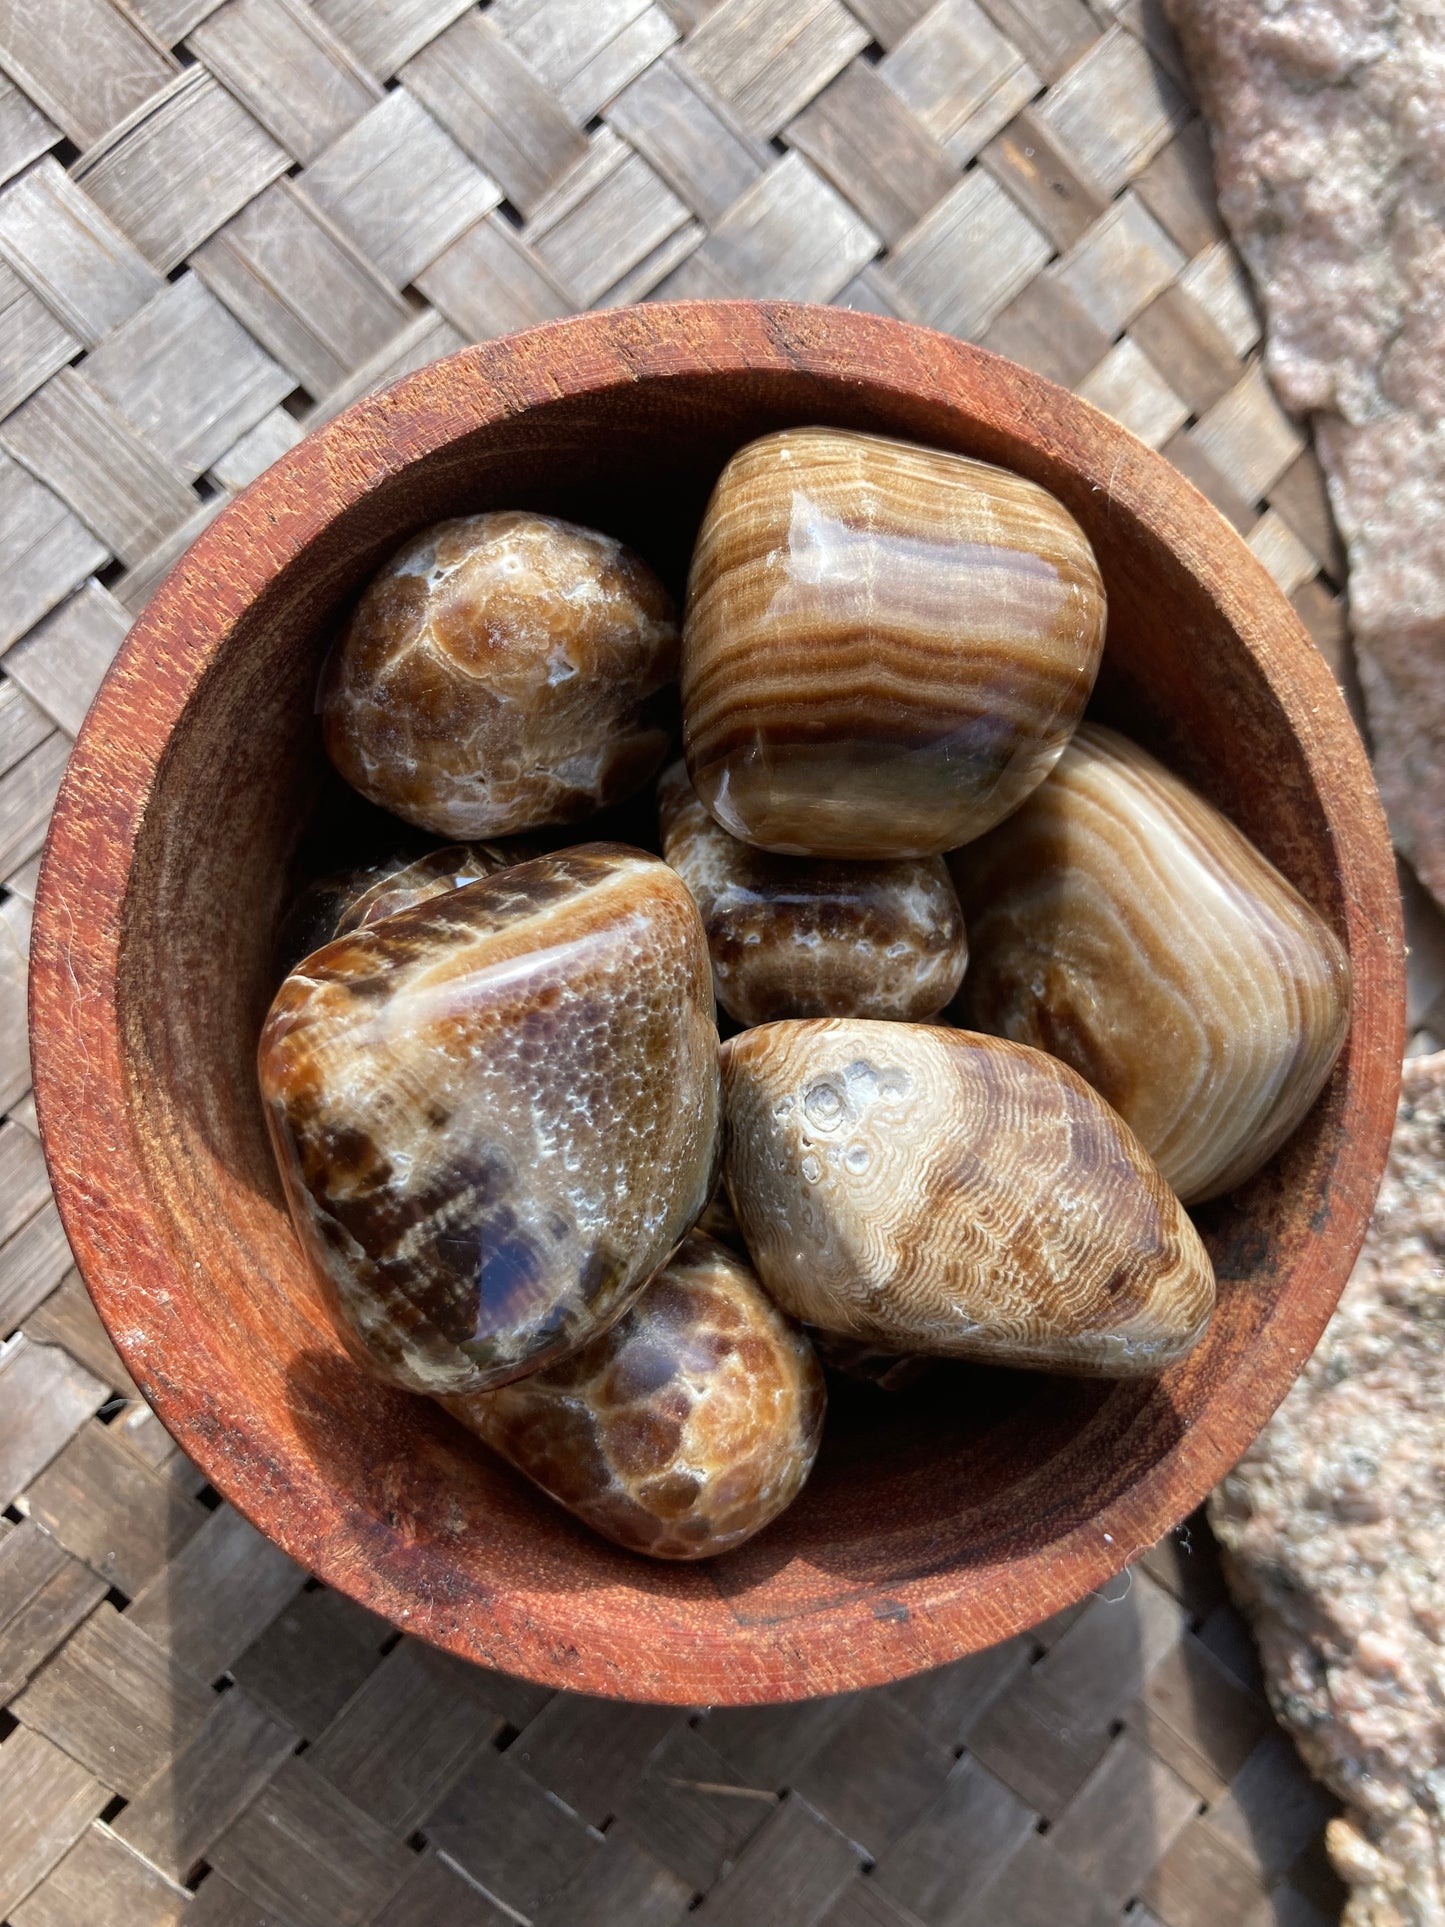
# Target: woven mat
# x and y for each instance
(219, 224)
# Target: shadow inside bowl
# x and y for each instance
(952, 1447)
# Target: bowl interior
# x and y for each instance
(937, 1519)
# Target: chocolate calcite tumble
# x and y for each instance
(885, 648)
(496, 1113)
(809, 937)
(1122, 923)
(681, 1431)
(332, 905)
(319, 907)
(503, 671)
(932, 1191)
(432, 875)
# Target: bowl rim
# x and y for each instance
(77, 1046)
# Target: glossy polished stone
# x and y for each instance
(317, 909)
(331, 905)
(885, 648)
(450, 868)
(932, 1191)
(496, 1113)
(685, 1428)
(808, 937)
(1122, 923)
(503, 671)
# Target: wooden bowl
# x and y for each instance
(936, 1522)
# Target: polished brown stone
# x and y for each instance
(932, 1191)
(503, 671)
(432, 875)
(316, 910)
(496, 1113)
(685, 1428)
(809, 937)
(331, 905)
(885, 648)
(1124, 924)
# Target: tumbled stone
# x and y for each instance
(805, 937)
(931, 1191)
(313, 916)
(496, 1113)
(503, 671)
(432, 875)
(885, 646)
(1123, 923)
(684, 1429)
(331, 905)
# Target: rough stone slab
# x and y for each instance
(1332, 1524)
(1332, 190)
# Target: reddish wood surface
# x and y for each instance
(936, 1523)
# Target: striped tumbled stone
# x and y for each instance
(934, 1192)
(886, 647)
(1121, 922)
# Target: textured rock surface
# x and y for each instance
(1334, 1529)
(1329, 132)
